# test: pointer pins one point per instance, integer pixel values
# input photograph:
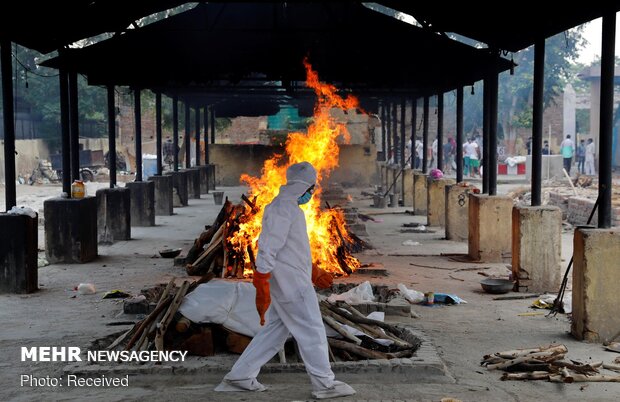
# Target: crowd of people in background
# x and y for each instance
(583, 155)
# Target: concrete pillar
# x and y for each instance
(163, 195)
(18, 254)
(193, 183)
(70, 229)
(595, 284)
(113, 214)
(384, 177)
(537, 248)
(204, 179)
(490, 228)
(394, 182)
(142, 203)
(408, 188)
(436, 201)
(211, 176)
(420, 193)
(179, 187)
(457, 211)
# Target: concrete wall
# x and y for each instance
(595, 284)
(552, 165)
(357, 164)
(577, 209)
(28, 152)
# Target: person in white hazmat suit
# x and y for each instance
(283, 279)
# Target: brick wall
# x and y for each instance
(576, 210)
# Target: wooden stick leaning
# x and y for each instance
(358, 350)
(174, 306)
(162, 299)
(338, 328)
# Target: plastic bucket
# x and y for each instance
(218, 197)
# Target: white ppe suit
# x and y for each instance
(284, 251)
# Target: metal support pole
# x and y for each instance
(6, 62)
(206, 118)
(485, 135)
(395, 131)
(383, 132)
(158, 132)
(606, 124)
(388, 133)
(111, 136)
(459, 134)
(425, 136)
(197, 134)
(440, 131)
(492, 147)
(188, 162)
(175, 131)
(403, 110)
(212, 125)
(74, 126)
(414, 118)
(138, 132)
(65, 130)
(537, 121)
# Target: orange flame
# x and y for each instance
(326, 228)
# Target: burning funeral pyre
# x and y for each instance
(228, 247)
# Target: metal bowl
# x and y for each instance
(170, 252)
(497, 286)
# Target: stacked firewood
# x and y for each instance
(212, 251)
(360, 347)
(150, 333)
(547, 363)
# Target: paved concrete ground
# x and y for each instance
(461, 334)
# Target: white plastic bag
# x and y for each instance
(362, 293)
(412, 296)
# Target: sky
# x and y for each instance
(592, 33)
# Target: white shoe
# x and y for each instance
(240, 386)
(339, 389)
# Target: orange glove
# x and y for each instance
(263, 297)
(321, 278)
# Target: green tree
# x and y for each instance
(515, 91)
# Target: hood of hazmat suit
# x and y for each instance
(283, 245)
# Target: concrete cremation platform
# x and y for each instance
(490, 227)
(595, 284)
(18, 254)
(142, 203)
(204, 178)
(420, 193)
(436, 201)
(70, 230)
(113, 214)
(193, 183)
(163, 194)
(457, 211)
(179, 186)
(537, 248)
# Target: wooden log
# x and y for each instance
(534, 375)
(121, 338)
(236, 343)
(338, 328)
(583, 378)
(167, 319)
(143, 324)
(362, 319)
(510, 354)
(212, 245)
(249, 202)
(358, 350)
(614, 367)
(532, 358)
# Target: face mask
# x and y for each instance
(306, 196)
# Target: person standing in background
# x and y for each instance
(581, 156)
(567, 149)
(589, 159)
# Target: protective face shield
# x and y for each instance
(306, 196)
